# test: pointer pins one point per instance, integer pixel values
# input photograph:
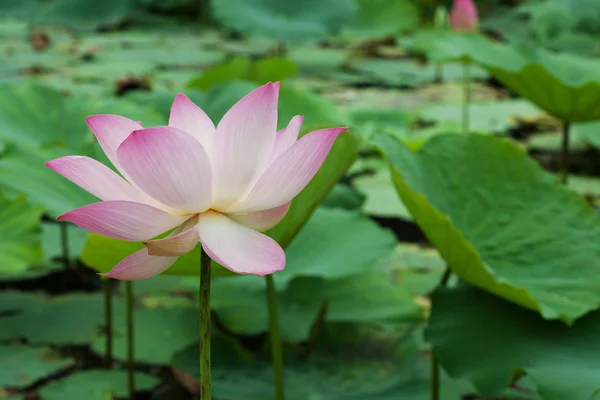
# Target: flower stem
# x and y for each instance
(108, 321)
(130, 342)
(466, 96)
(276, 347)
(438, 72)
(64, 242)
(204, 326)
(435, 365)
(564, 159)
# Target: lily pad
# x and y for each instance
(566, 86)
(470, 213)
(96, 385)
(490, 117)
(286, 20)
(349, 363)
(22, 365)
(381, 18)
(381, 197)
(19, 236)
(492, 342)
(158, 333)
(64, 320)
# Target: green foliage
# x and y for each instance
(72, 13)
(20, 365)
(72, 319)
(564, 85)
(95, 385)
(492, 342)
(260, 71)
(19, 239)
(493, 231)
(349, 362)
(286, 20)
(380, 18)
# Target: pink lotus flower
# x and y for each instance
(220, 186)
(463, 17)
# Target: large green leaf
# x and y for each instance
(72, 13)
(501, 222)
(260, 71)
(37, 114)
(379, 18)
(95, 385)
(492, 342)
(64, 320)
(20, 366)
(349, 362)
(285, 20)
(564, 85)
(159, 333)
(19, 236)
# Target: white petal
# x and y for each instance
(96, 178)
(177, 245)
(289, 173)
(170, 166)
(187, 116)
(140, 265)
(287, 137)
(261, 220)
(238, 248)
(243, 144)
(111, 131)
(123, 220)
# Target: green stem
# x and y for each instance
(439, 71)
(564, 159)
(108, 321)
(466, 96)
(435, 365)
(276, 347)
(130, 342)
(64, 242)
(204, 326)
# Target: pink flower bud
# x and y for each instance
(463, 17)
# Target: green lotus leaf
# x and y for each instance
(478, 199)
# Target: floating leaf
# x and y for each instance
(468, 326)
(349, 363)
(20, 366)
(564, 85)
(243, 68)
(95, 385)
(493, 117)
(64, 320)
(19, 239)
(380, 18)
(159, 333)
(286, 20)
(484, 216)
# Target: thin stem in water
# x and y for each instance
(439, 72)
(108, 321)
(130, 342)
(204, 326)
(274, 335)
(564, 155)
(64, 242)
(435, 367)
(466, 96)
